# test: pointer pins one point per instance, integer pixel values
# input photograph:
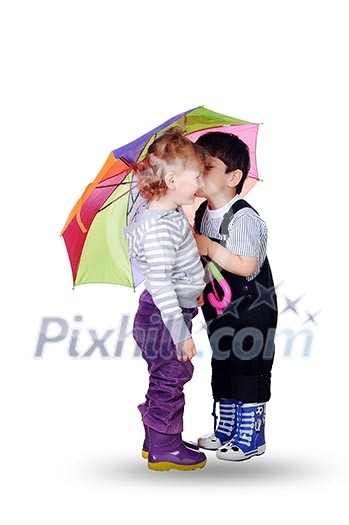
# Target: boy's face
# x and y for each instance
(215, 178)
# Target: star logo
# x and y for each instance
(265, 296)
(233, 307)
(291, 305)
(311, 317)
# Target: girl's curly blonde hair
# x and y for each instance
(161, 158)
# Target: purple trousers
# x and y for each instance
(164, 405)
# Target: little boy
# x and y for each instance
(242, 337)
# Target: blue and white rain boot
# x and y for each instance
(249, 439)
(226, 427)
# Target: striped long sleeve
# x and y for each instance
(161, 242)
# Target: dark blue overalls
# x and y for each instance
(242, 337)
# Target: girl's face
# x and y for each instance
(189, 181)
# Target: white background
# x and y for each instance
(82, 78)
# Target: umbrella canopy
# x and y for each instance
(93, 232)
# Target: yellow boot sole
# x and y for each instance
(167, 465)
(145, 454)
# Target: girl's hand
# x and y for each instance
(185, 350)
(203, 243)
(201, 300)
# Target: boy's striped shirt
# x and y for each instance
(248, 233)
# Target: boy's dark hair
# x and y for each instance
(229, 149)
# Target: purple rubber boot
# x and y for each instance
(167, 451)
(145, 449)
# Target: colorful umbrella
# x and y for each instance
(93, 232)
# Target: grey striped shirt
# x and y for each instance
(164, 246)
(248, 233)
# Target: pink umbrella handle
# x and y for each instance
(217, 303)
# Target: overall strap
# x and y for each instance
(237, 206)
(224, 228)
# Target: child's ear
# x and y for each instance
(170, 180)
(235, 177)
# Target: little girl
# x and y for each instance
(163, 244)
